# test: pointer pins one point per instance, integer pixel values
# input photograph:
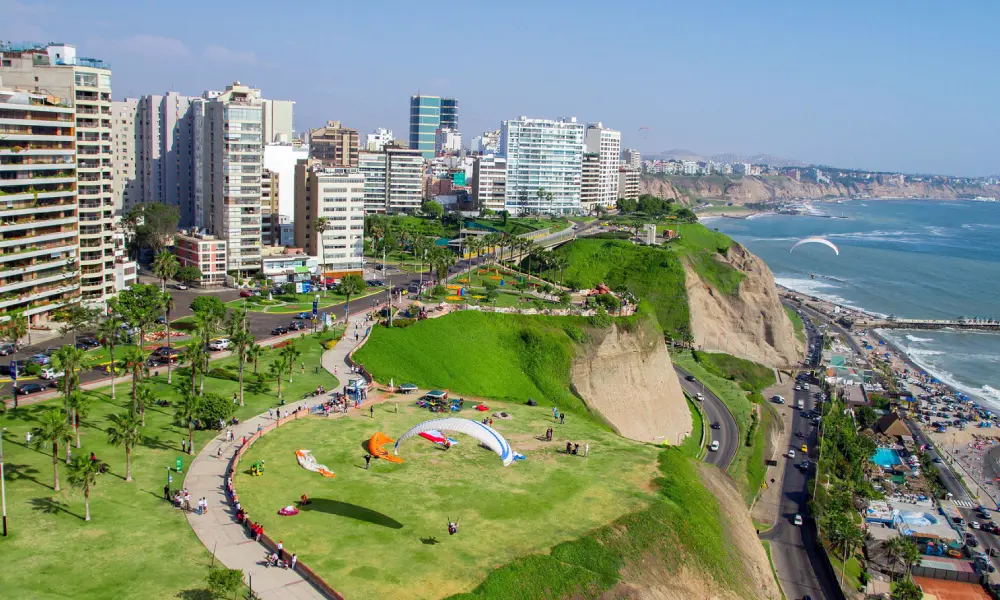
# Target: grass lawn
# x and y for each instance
(382, 533)
(800, 328)
(53, 553)
(294, 303)
(752, 376)
(767, 549)
(694, 444)
(852, 577)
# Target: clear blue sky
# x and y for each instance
(892, 85)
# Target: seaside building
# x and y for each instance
(377, 140)
(125, 188)
(427, 115)
(338, 195)
(487, 143)
(85, 83)
(278, 121)
(393, 179)
(164, 153)
(632, 158)
(335, 146)
(489, 182)
(269, 194)
(39, 225)
(544, 165)
(628, 183)
(204, 251)
(607, 144)
(590, 194)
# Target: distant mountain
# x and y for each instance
(729, 157)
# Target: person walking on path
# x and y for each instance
(371, 411)
(183, 445)
(368, 461)
(166, 492)
(270, 413)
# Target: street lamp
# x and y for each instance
(3, 487)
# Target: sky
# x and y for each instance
(889, 85)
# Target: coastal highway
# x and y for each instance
(728, 433)
(801, 570)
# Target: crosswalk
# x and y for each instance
(964, 504)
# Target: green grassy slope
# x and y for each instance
(800, 328)
(701, 246)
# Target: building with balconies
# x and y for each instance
(394, 179)
(269, 203)
(337, 196)
(204, 251)
(39, 244)
(56, 70)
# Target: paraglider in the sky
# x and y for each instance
(816, 240)
(486, 435)
(644, 130)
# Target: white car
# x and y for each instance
(798, 388)
(798, 520)
(975, 524)
(700, 397)
(715, 446)
(219, 344)
(50, 373)
(791, 454)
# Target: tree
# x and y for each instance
(909, 553)
(906, 590)
(475, 247)
(110, 332)
(291, 354)
(51, 430)
(351, 284)
(492, 242)
(153, 223)
(69, 360)
(76, 318)
(320, 226)
(224, 583)
(195, 356)
(277, 369)
(442, 260)
(165, 266)
(254, 351)
(242, 341)
(626, 205)
(16, 327)
(188, 275)
(209, 306)
(79, 405)
(144, 397)
(83, 474)
(133, 360)
(187, 412)
(139, 306)
(212, 408)
(865, 416)
(432, 209)
(124, 431)
(168, 307)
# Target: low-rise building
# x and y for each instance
(204, 251)
(289, 265)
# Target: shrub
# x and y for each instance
(402, 322)
(438, 290)
(214, 407)
(576, 334)
(600, 319)
(33, 369)
(609, 301)
(221, 373)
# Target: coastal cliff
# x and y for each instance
(752, 323)
(627, 377)
(749, 190)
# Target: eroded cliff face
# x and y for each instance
(629, 379)
(751, 324)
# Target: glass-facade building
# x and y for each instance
(427, 115)
(544, 165)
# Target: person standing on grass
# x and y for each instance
(562, 418)
(586, 449)
(555, 413)
(371, 411)
(166, 492)
(368, 461)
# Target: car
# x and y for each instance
(797, 520)
(29, 388)
(297, 326)
(798, 388)
(6, 349)
(49, 373)
(777, 399)
(39, 359)
(699, 397)
(971, 541)
(804, 465)
(219, 344)
(690, 378)
(303, 315)
(161, 320)
(716, 425)
(279, 330)
(714, 447)
(791, 453)
(379, 266)
(982, 514)
(800, 434)
(180, 286)
(974, 524)
(804, 449)
(936, 460)
(245, 293)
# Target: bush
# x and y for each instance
(222, 373)
(608, 301)
(33, 369)
(214, 407)
(439, 290)
(576, 334)
(600, 319)
(403, 322)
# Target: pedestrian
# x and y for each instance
(357, 336)
(244, 440)
(371, 411)
(295, 559)
(259, 428)
(562, 418)
(397, 408)
(27, 438)
(235, 399)
(368, 461)
(555, 413)
(335, 369)
(569, 447)
(218, 453)
(270, 413)
(183, 445)
(281, 547)
(303, 368)
(576, 449)
(586, 449)
(166, 492)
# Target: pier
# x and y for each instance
(970, 324)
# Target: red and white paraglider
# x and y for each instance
(815, 240)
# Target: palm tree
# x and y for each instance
(133, 360)
(291, 354)
(52, 429)
(165, 266)
(168, 307)
(351, 284)
(143, 398)
(906, 590)
(79, 404)
(277, 368)
(320, 226)
(69, 359)
(123, 430)
(194, 355)
(242, 340)
(559, 263)
(909, 553)
(254, 351)
(475, 246)
(110, 331)
(186, 413)
(83, 474)
(16, 327)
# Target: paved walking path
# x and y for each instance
(206, 477)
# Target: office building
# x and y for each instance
(125, 186)
(207, 252)
(164, 146)
(447, 141)
(544, 165)
(632, 158)
(427, 115)
(338, 195)
(590, 182)
(56, 70)
(269, 206)
(489, 182)
(278, 121)
(39, 223)
(607, 144)
(376, 140)
(335, 146)
(228, 161)
(393, 179)
(628, 183)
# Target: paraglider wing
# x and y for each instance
(485, 434)
(816, 240)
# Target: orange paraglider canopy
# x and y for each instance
(375, 448)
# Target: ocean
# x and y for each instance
(921, 259)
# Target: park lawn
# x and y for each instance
(751, 375)
(504, 299)
(382, 533)
(701, 246)
(796, 319)
(135, 544)
(694, 444)
(509, 357)
(852, 576)
(293, 303)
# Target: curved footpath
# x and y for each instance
(218, 529)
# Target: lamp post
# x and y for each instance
(3, 487)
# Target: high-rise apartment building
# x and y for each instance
(489, 182)
(632, 158)
(376, 140)
(335, 145)
(56, 70)
(164, 142)
(607, 144)
(590, 182)
(544, 165)
(269, 207)
(125, 186)
(338, 195)
(427, 115)
(279, 121)
(628, 183)
(393, 179)
(229, 161)
(39, 242)
(280, 159)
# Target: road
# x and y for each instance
(794, 549)
(728, 433)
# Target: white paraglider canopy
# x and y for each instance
(816, 240)
(485, 434)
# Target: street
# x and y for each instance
(728, 434)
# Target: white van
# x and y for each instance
(715, 446)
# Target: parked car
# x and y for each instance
(29, 388)
(279, 330)
(798, 520)
(245, 293)
(181, 286)
(804, 449)
(777, 399)
(297, 326)
(974, 524)
(219, 344)
(39, 359)
(50, 373)
(303, 315)
(791, 454)
(6, 349)
(804, 465)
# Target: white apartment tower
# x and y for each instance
(338, 196)
(377, 140)
(125, 185)
(165, 131)
(632, 158)
(489, 182)
(278, 121)
(56, 70)
(394, 179)
(544, 165)
(607, 144)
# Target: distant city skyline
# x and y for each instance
(891, 87)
